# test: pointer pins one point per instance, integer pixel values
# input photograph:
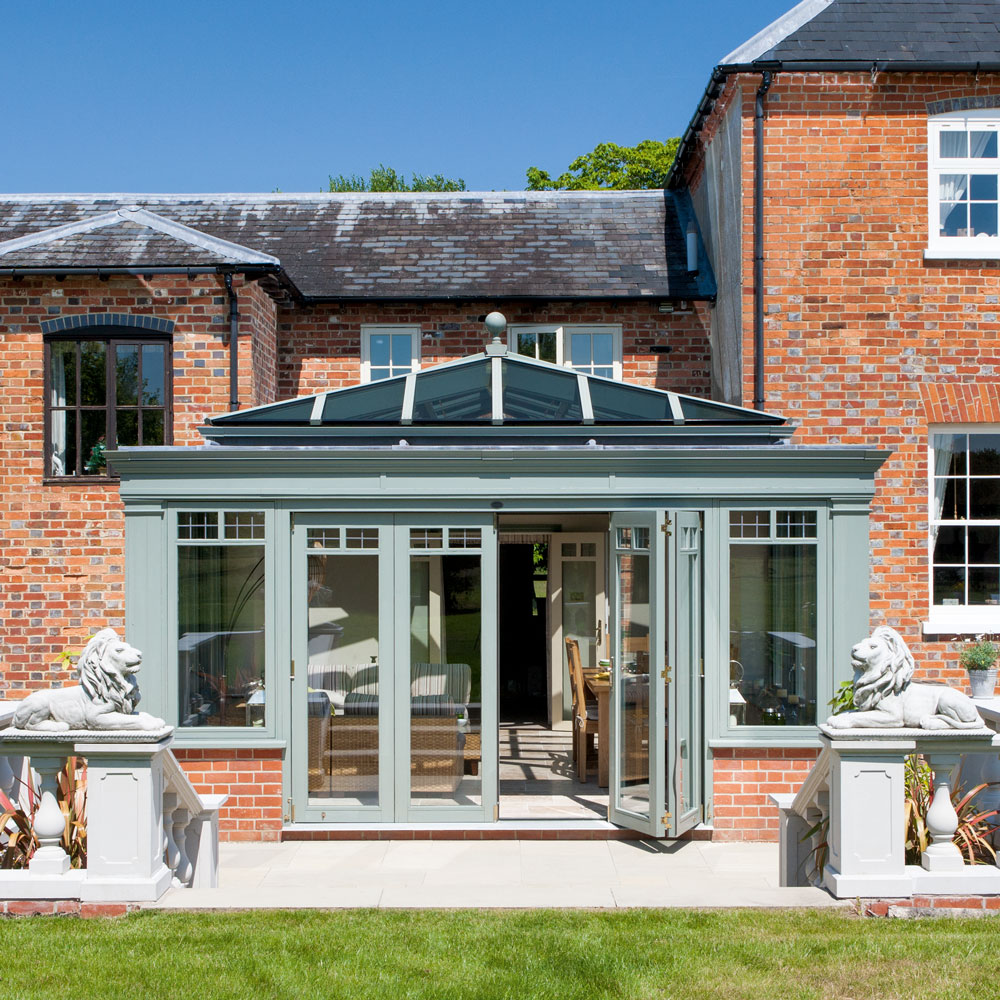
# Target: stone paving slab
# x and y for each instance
(496, 874)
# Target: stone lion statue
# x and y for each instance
(105, 698)
(886, 698)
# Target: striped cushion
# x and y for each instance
(360, 704)
(435, 704)
(451, 679)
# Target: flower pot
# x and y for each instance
(983, 683)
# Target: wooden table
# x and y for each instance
(601, 689)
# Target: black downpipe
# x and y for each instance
(234, 325)
(758, 242)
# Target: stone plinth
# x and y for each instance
(124, 815)
(867, 837)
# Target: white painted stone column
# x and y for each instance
(866, 837)
(125, 815)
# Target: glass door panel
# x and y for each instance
(684, 615)
(449, 692)
(638, 691)
(342, 601)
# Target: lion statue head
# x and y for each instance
(883, 665)
(107, 666)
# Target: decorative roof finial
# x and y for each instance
(496, 324)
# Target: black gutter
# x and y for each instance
(256, 271)
(758, 241)
(234, 330)
(717, 81)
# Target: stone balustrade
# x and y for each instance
(857, 786)
(147, 827)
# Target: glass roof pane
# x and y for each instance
(296, 412)
(613, 401)
(538, 395)
(703, 409)
(375, 403)
(455, 395)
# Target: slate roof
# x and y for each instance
(402, 246)
(950, 32)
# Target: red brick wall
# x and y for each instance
(856, 321)
(61, 564)
(320, 348)
(742, 779)
(251, 779)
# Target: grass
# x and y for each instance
(576, 955)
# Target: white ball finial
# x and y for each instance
(496, 324)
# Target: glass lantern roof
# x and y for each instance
(495, 389)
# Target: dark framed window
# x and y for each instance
(108, 389)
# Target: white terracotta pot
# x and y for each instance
(983, 683)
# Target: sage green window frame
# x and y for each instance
(720, 732)
(217, 737)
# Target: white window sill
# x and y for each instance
(985, 620)
(964, 250)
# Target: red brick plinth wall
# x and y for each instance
(930, 906)
(742, 780)
(252, 780)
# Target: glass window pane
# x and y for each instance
(426, 538)
(796, 523)
(93, 428)
(63, 374)
(323, 538)
(984, 585)
(580, 350)
(366, 404)
(632, 692)
(343, 678)
(983, 219)
(772, 621)
(949, 546)
(527, 344)
(63, 444)
(603, 348)
(949, 454)
(954, 219)
(984, 499)
(445, 680)
(401, 350)
(569, 549)
(983, 145)
(950, 498)
(377, 374)
(465, 538)
(361, 538)
(949, 585)
(378, 350)
(127, 427)
(627, 403)
(197, 524)
(459, 395)
(220, 642)
(535, 395)
(983, 187)
(984, 454)
(588, 549)
(127, 374)
(750, 524)
(244, 524)
(152, 427)
(954, 144)
(93, 374)
(953, 187)
(547, 346)
(153, 375)
(984, 545)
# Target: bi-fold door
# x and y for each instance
(393, 668)
(655, 698)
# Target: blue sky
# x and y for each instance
(204, 96)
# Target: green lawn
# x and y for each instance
(489, 954)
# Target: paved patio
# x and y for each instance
(507, 873)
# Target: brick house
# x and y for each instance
(849, 150)
(858, 306)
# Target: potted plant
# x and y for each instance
(980, 658)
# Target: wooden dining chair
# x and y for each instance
(584, 714)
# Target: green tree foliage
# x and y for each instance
(612, 167)
(383, 178)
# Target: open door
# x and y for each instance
(655, 701)
(638, 694)
(684, 645)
